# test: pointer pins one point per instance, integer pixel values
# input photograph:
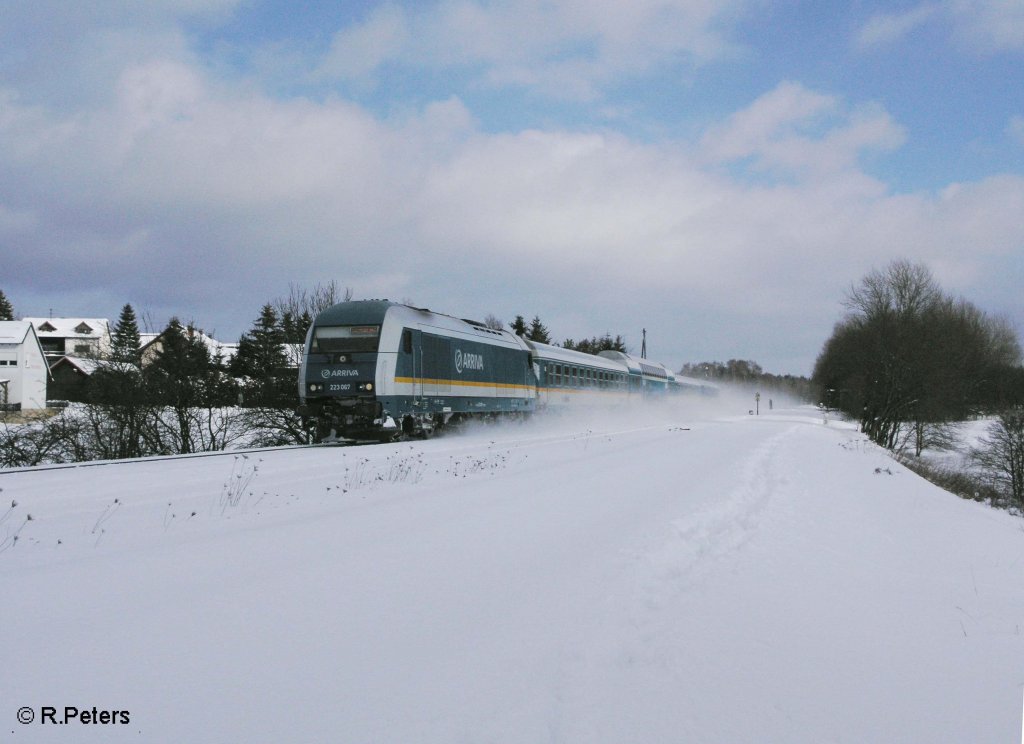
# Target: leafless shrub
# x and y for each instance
(1000, 454)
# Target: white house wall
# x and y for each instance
(28, 375)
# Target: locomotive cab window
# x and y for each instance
(345, 338)
(407, 341)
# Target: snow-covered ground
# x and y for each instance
(964, 436)
(704, 576)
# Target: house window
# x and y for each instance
(47, 327)
(82, 348)
(83, 328)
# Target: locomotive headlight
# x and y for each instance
(315, 387)
(368, 386)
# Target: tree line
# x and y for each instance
(908, 360)
(908, 353)
(748, 373)
(186, 397)
(536, 331)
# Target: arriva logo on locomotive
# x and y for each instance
(339, 373)
(468, 361)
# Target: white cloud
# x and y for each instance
(566, 49)
(990, 25)
(800, 131)
(185, 194)
(778, 114)
(886, 28)
(357, 51)
(985, 25)
(69, 55)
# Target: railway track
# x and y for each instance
(513, 442)
(156, 458)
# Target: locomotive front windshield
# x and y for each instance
(345, 338)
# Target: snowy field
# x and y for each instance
(704, 576)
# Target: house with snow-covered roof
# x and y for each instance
(152, 345)
(69, 377)
(81, 337)
(23, 367)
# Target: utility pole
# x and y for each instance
(643, 345)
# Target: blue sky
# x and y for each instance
(717, 171)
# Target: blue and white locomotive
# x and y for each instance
(374, 369)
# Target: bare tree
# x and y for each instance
(1001, 453)
(920, 435)
(301, 300)
(909, 354)
(902, 289)
(494, 322)
(301, 305)
(149, 323)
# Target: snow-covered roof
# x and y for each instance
(70, 327)
(16, 332)
(548, 352)
(406, 316)
(226, 350)
(13, 331)
(640, 365)
(84, 365)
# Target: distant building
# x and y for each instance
(23, 367)
(80, 337)
(152, 345)
(69, 378)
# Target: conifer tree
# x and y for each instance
(304, 322)
(596, 344)
(261, 358)
(538, 331)
(269, 396)
(119, 413)
(126, 341)
(518, 326)
(180, 378)
(6, 309)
